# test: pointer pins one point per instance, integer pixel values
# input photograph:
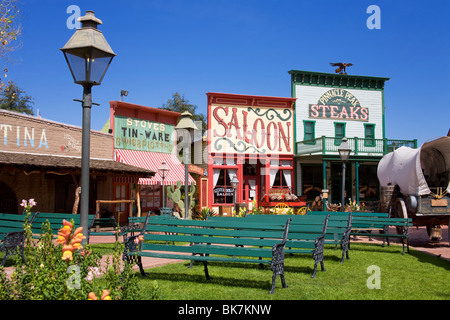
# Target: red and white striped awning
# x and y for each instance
(151, 161)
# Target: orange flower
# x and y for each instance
(105, 295)
(92, 296)
(67, 224)
(67, 255)
(78, 231)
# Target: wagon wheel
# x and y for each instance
(302, 211)
(400, 211)
(280, 207)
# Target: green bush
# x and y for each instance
(49, 273)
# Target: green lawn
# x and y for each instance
(417, 276)
(414, 276)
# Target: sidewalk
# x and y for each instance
(418, 240)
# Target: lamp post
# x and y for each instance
(88, 55)
(234, 184)
(185, 128)
(163, 171)
(344, 152)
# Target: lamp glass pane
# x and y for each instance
(77, 66)
(98, 68)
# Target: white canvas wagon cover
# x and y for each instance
(415, 171)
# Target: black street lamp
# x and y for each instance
(163, 171)
(344, 152)
(88, 55)
(235, 184)
(186, 128)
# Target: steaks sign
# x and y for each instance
(338, 104)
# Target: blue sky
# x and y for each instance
(243, 47)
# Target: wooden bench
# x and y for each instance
(56, 222)
(306, 236)
(337, 230)
(211, 241)
(12, 233)
(364, 223)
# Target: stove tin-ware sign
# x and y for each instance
(251, 129)
(143, 135)
(338, 104)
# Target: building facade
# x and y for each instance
(145, 137)
(250, 138)
(41, 159)
(329, 107)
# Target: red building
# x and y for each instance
(250, 138)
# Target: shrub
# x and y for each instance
(65, 270)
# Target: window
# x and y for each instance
(339, 132)
(369, 135)
(281, 175)
(368, 183)
(223, 171)
(309, 131)
(150, 196)
(312, 179)
(223, 190)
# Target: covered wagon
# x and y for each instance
(416, 183)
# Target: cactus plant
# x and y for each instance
(174, 193)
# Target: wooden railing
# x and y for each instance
(359, 146)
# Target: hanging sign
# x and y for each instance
(143, 135)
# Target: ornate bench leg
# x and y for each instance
(278, 269)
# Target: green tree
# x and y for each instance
(10, 29)
(180, 104)
(14, 99)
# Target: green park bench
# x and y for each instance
(211, 241)
(12, 233)
(337, 230)
(56, 222)
(364, 223)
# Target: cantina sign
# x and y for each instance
(257, 130)
(338, 104)
(143, 135)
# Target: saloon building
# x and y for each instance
(329, 107)
(250, 138)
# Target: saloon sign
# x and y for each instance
(251, 129)
(338, 104)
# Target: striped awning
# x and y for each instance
(151, 161)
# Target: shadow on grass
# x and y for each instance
(216, 279)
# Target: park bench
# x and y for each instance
(105, 226)
(135, 225)
(337, 229)
(364, 223)
(305, 237)
(12, 233)
(211, 241)
(56, 222)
